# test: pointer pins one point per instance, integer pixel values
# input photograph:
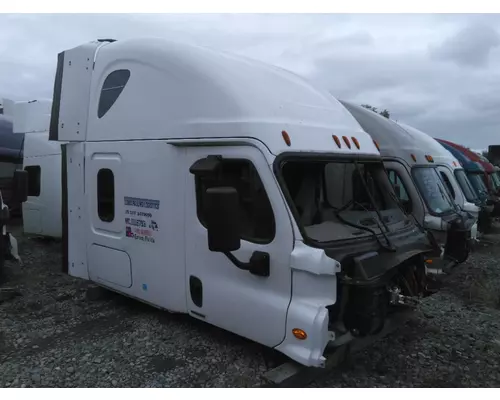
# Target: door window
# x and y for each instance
(400, 189)
(448, 184)
(106, 195)
(256, 213)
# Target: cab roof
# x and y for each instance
(392, 139)
(432, 147)
(472, 156)
(178, 91)
(466, 162)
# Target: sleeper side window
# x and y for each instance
(111, 88)
(34, 180)
(448, 184)
(256, 213)
(400, 189)
(106, 195)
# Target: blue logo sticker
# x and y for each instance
(144, 287)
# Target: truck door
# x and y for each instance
(218, 292)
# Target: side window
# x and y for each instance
(106, 195)
(400, 188)
(111, 88)
(256, 213)
(34, 180)
(448, 184)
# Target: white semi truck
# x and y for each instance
(230, 190)
(409, 159)
(41, 159)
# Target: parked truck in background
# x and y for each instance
(494, 154)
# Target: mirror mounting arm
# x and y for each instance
(258, 264)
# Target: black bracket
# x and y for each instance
(259, 263)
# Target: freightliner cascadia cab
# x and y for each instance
(477, 177)
(411, 167)
(452, 175)
(236, 192)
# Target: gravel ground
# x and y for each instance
(53, 335)
(452, 340)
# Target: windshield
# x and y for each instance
(477, 183)
(465, 185)
(432, 190)
(330, 196)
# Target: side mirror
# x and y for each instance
(20, 183)
(223, 219)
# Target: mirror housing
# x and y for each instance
(223, 219)
(20, 183)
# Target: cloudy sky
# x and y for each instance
(438, 72)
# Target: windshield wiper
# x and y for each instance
(365, 185)
(388, 247)
(372, 200)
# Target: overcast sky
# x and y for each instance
(439, 73)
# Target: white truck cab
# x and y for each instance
(409, 159)
(209, 184)
(41, 159)
(42, 162)
(451, 172)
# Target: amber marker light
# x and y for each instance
(286, 138)
(336, 140)
(299, 334)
